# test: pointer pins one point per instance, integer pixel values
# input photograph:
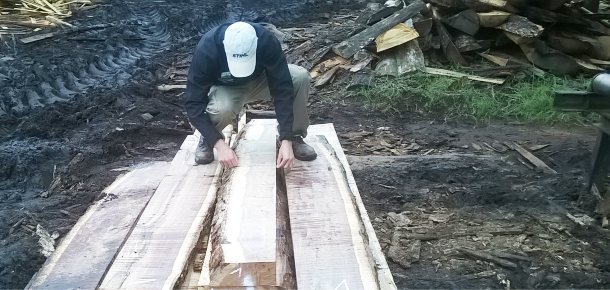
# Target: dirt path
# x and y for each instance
(71, 120)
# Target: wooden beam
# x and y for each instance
(357, 42)
(244, 241)
(157, 252)
(335, 245)
(98, 235)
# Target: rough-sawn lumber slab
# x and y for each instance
(335, 246)
(160, 246)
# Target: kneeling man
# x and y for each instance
(237, 63)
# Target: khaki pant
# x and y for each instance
(227, 101)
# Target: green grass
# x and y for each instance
(529, 100)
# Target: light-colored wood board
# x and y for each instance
(157, 251)
(334, 242)
(99, 233)
(444, 72)
(243, 237)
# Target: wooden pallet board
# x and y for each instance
(81, 259)
(158, 250)
(335, 246)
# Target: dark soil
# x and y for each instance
(71, 117)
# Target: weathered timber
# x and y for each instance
(158, 250)
(465, 43)
(486, 5)
(355, 43)
(466, 21)
(166, 88)
(335, 245)
(492, 18)
(381, 14)
(499, 60)
(533, 159)
(521, 26)
(587, 67)
(98, 235)
(451, 52)
(550, 59)
(566, 44)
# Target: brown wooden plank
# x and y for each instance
(334, 243)
(157, 252)
(97, 236)
(243, 237)
(355, 43)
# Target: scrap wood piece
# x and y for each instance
(567, 44)
(349, 47)
(521, 26)
(466, 21)
(362, 63)
(38, 37)
(397, 35)
(402, 254)
(456, 233)
(533, 159)
(489, 258)
(444, 72)
(499, 60)
(493, 18)
(486, 5)
(381, 14)
(327, 65)
(465, 43)
(165, 88)
(316, 57)
(326, 77)
(587, 67)
(450, 51)
(338, 230)
(169, 227)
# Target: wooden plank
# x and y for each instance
(449, 50)
(334, 242)
(243, 239)
(444, 72)
(158, 250)
(349, 47)
(97, 236)
(466, 21)
(533, 159)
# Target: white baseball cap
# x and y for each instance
(240, 47)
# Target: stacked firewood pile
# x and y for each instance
(562, 37)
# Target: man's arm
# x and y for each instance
(197, 89)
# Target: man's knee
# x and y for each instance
(300, 76)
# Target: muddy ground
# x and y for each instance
(78, 108)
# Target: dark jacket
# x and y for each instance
(209, 67)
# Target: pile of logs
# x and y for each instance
(562, 37)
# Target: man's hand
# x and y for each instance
(226, 155)
(285, 157)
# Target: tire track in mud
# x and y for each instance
(108, 58)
